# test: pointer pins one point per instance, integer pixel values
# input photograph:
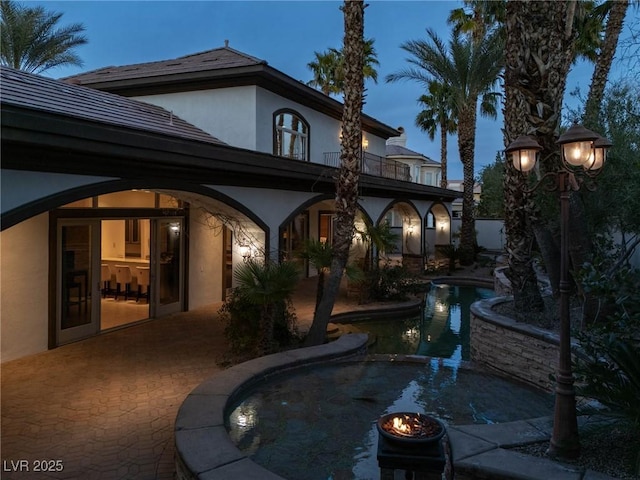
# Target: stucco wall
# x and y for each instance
(205, 261)
(24, 264)
(229, 114)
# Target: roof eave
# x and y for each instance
(261, 75)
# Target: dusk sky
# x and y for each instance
(285, 34)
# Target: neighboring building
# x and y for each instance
(217, 158)
(423, 170)
(458, 186)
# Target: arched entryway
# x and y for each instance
(437, 232)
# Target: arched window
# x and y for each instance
(431, 220)
(291, 135)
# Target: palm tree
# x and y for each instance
(324, 69)
(349, 173)
(31, 41)
(379, 238)
(438, 114)
(477, 17)
(319, 254)
(617, 12)
(533, 100)
(470, 69)
(267, 285)
(328, 68)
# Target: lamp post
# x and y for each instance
(583, 156)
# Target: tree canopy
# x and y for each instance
(30, 39)
(329, 70)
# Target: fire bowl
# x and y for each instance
(410, 428)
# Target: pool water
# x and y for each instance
(441, 330)
(319, 423)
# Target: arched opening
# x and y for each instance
(437, 233)
(96, 263)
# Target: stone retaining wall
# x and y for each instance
(519, 350)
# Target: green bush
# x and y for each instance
(242, 324)
(607, 367)
(391, 283)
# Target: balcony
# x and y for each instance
(374, 165)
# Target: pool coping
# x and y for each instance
(204, 450)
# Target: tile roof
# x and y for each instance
(398, 150)
(218, 68)
(216, 59)
(35, 92)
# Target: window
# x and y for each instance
(431, 220)
(326, 227)
(427, 178)
(393, 218)
(291, 136)
(132, 247)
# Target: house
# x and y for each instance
(132, 192)
(423, 170)
(458, 186)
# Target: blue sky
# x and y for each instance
(285, 34)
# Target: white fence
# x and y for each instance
(490, 232)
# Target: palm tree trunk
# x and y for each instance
(537, 64)
(580, 245)
(466, 146)
(350, 155)
(443, 153)
(605, 59)
(320, 287)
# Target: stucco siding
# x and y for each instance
(24, 264)
(205, 261)
(22, 187)
(229, 114)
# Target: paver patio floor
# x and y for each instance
(105, 407)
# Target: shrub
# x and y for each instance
(391, 283)
(608, 366)
(242, 329)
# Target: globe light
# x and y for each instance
(577, 153)
(598, 155)
(577, 145)
(523, 151)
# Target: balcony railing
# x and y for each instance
(374, 165)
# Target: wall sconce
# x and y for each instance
(409, 230)
(365, 143)
(245, 249)
(442, 225)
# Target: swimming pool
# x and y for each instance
(319, 423)
(441, 330)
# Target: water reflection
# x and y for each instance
(319, 423)
(441, 331)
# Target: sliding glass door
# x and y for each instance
(78, 280)
(168, 266)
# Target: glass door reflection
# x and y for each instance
(77, 266)
(169, 266)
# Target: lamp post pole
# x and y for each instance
(565, 441)
(582, 151)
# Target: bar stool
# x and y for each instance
(143, 281)
(123, 277)
(105, 277)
